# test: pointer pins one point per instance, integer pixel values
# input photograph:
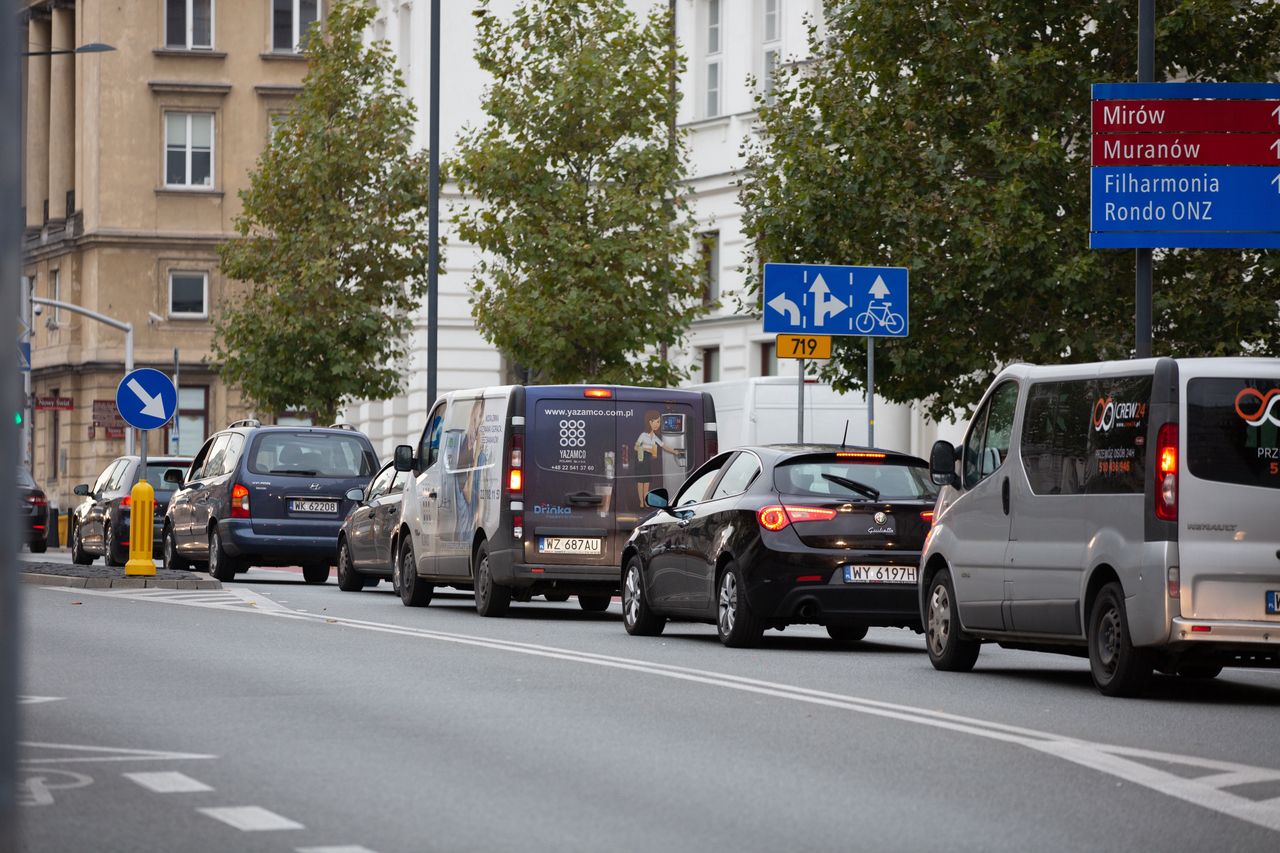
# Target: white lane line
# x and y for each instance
(347, 848)
(36, 700)
(250, 818)
(168, 782)
(81, 753)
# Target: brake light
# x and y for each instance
(1201, 629)
(859, 454)
(776, 517)
(126, 501)
(515, 470)
(1167, 468)
(1174, 581)
(37, 500)
(598, 393)
(809, 579)
(239, 501)
(712, 444)
(517, 526)
(927, 516)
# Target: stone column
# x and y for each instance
(62, 112)
(37, 166)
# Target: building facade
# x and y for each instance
(133, 161)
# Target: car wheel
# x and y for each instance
(221, 565)
(491, 599)
(594, 603)
(111, 549)
(637, 618)
(172, 559)
(1118, 667)
(556, 596)
(349, 580)
(737, 626)
(78, 555)
(846, 635)
(949, 650)
(413, 591)
(315, 572)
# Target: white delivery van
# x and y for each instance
(1125, 510)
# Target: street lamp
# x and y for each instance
(91, 47)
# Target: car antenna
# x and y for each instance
(846, 434)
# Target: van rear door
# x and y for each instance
(1229, 491)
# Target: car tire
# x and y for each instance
(491, 598)
(315, 573)
(172, 559)
(736, 625)
(349, 580)
(1118, 667)
(949, 649)
(595, 603)
(110, 550)
(78, 555)
(414, 592)
(222, 566)
(637, 618)
(39, 546)
(556, 596)
(846, 635)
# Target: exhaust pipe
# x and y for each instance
(808, 610)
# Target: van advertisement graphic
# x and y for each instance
(1118, 437)
(1233, 430)
(472, 473)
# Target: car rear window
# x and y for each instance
(310, 454)
(156, 472)
(1233, 431)
(895, 478)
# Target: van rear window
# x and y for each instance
(310, 454)
(1233, 431)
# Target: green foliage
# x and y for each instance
(574, 195)
(953, 138)
(332, 236)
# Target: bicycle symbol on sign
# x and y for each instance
(879, 313)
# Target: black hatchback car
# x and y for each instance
(33, 513)
(765, 537)
(364, 542)
(267, 496)
(99, 526)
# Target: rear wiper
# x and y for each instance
(302, 471)
(860, 488)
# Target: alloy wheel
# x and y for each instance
(631, 596)
(728, 602)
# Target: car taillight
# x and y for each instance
(927, 516)
(37, 500)
(861, 455)
(711, 444)
(126, 501)
(515, 470)
(239, 501)
(517, 526)
(1167, 473)
(598, 393)
(1174, 579)
(776, 517)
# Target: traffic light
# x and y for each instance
(17, 418)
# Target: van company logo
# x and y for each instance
(1265, 407)
(551, 509)
(1107, 413)
(573, 433)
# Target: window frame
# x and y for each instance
(189, 148)
(709, 356)
(712, 68)
(188, 27)
(709, 261)
(769, 358)
(295, 18)
(204, 298)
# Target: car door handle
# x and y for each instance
(1004, 495)
(682, 523)
(585, 499)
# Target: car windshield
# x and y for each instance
(892, 478)
(310, 454)
(157, 470)
(25, 480)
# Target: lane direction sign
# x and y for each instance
(146, 398)
(817, 299)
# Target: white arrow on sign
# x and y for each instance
(824, 304)
(152, 407)
(1276, 181)
(1276, 113)
(879, 290)
(783, 305)
(1275, 146)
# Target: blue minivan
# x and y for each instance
(267, 496)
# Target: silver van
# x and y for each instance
(1126, 510)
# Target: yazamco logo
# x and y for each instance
(1263, 406)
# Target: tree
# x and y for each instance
(331, 236)
(575, 199)
(953, 138)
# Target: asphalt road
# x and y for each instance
(275, 716)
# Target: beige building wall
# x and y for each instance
(106, 224)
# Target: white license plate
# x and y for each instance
(568, 545)
(313, 506)
(879, 574)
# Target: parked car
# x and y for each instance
(364, 542)
(33, 513)
(519, 491)
(266, 496)
(99, 526)
(1125, 509)
(770, 536)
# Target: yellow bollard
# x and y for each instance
(141, 530)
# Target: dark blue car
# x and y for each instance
(267, 496)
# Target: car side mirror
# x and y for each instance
(942, 464)
(403, 459)
(657, 499)
(356, 495)
(173, 475)
(82, 490)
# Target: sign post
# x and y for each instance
(146, 400)
(810, 302)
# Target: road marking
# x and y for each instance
(103, 753)
(36, 700)
(168, 782)
(250, 818)
(35, 789)
(348, 848)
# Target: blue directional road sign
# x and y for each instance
(146, 398)
(812, 299)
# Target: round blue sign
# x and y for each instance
(146, 398)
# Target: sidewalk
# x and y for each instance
(38, 569)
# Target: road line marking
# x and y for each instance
(168, 782)
(104, 753)
(250, 818)
(36, 700)
(348, 848)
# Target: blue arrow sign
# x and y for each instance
(146, 398)
(814, 299)
(24, 356)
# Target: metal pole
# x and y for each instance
(1142, 259)
(27, 321)
(128, 368)
(433, 206)
(175, 438)
(800, 406)
(871, 392)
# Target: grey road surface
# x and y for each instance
(275, 716)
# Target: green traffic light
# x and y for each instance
(17, 418)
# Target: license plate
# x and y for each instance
(1273, 602)
(313, 506)
(879, 574)
(568, 545)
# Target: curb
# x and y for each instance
(198, 582)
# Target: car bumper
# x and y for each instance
(508, 570)
(157, 532)
(274, 549)
(1228, 643)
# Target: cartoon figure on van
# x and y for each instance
(647, 447)
(471, 460)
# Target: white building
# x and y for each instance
(727, 43)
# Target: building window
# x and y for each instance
(189, 295)
(768, 358)
(192, 422)
(188, 149)
(713, 45)
(405, 28)
(55, 293)
(709, 266)
(711, 364)
(188, 24)
(770, 45)
(772, 29)
(55, 436)
(290, 20)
